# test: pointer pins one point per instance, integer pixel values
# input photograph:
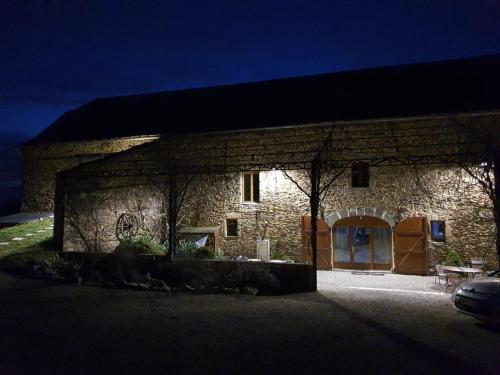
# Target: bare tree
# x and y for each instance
(315, 184)
(480, 149)
(141, 203)
(83, 214)
(173, 189)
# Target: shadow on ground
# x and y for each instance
(62, 329)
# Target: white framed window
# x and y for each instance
(250, 187)
(438, 231)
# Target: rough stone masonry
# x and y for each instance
(437, 192)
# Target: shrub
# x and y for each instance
(47, 244)
(279, 254)
(186, 249)
(453, 259)
(204, 253)
(123, 263)
(219, 255)
(19, 260)
(115, 267)
(140, 246)
(220, 275)
(244, 275)
(189, 250)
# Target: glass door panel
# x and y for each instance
(382, 245)
(342, 248)
(361, 245)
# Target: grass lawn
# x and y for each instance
(36, 237)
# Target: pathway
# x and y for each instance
(24, 217)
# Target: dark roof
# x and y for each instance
(443, 87)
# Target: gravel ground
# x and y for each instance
(67, 329)
(328, 280)
(417, 308)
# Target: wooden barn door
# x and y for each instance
(324, 243)
(410, 246)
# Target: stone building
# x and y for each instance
(239, 159)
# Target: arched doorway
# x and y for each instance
(362, 242)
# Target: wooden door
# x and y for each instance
(324, 243)
(410, 246)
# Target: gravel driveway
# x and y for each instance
(363, 280)
(67, 329)
(413, 306)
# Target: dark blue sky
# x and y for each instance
(57, 54)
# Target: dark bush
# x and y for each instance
(279, 254)
(453, 259)
(247, 275)
(186, 249)
(167, 271)
(18, 261)
(129, 261)
(92, 267)
(140, 246)
(205, 253)
(189, 250)
(206, 275)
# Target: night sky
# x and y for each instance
(57, 54)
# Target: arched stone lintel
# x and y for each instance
(333, 217)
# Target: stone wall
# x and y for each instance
(276, 217)
(92, 211)
(438, 193)
(91, 215)
(41, 162)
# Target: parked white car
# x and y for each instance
(480, 298)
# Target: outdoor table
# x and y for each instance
(463, 270)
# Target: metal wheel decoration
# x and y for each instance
(127, 226)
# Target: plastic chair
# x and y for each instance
(441, 275)
(477, 263)
(453, 280)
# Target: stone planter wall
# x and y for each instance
(266, 277)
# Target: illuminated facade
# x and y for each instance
(240, 157)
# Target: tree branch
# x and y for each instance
(296, 183)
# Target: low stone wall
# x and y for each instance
(199, 275)
(291, 277)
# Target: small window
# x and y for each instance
(250, 188)
(231, 227)
(437, 230)
(360, 176)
